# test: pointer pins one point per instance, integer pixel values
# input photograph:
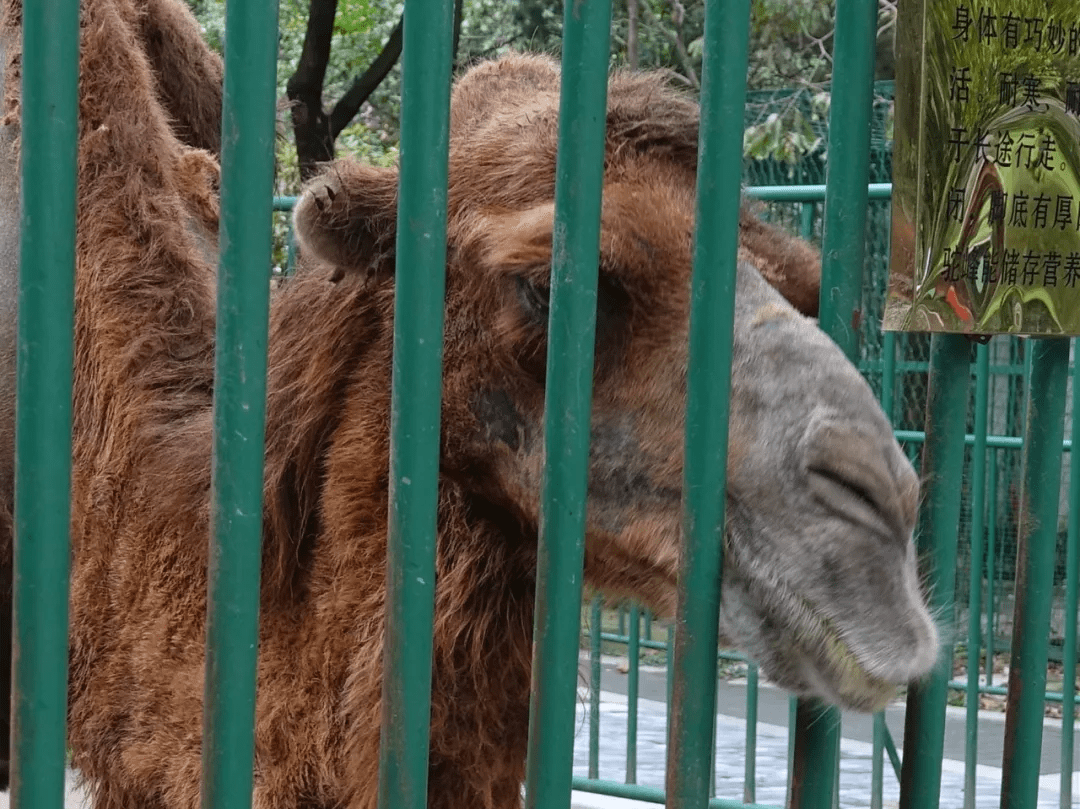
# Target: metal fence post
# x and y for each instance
(416, 402)
(1072, 596)
(247, 170)
(978, 520)
(936, 536)
(817, 732)
(693, 707)
(1036, 540)
(50, 65)
(575, 250)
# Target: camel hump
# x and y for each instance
(492, 88)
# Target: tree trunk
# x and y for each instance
(632, 34)
(311, 124)
(364, 85)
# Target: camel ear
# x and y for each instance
(791, 265)
(347, 216)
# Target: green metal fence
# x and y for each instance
(43, 463)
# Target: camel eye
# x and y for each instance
(536, 299)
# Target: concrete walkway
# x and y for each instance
(772, 742)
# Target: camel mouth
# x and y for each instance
(813, 652)
(817, 657)
(834, 672)
(811, 658)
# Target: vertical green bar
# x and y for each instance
(669, 660)
(247, 170)
(890, 748)
(575, 249)
(991, 557)
(1072, 590)
(806, 225)
(793, 709)
(846, 200)
(633, 655)
(836, 772)
(978, 522)
(936, 536)
(814, 761)
(750, 770)
(712, 760)
(877, 763)
(290, 249)
(50, 68)
(1036, 541)
(723, 97)
(846, 192)
(595, 627)
(888, 374)
(416, 400)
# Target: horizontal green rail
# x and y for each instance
(809, 193)
(992, 441)
(659, 645)
(637, 792)
(1001, 691)
(765, 193)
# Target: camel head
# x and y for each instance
(820, 581)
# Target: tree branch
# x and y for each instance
(314, 142)
(364, 85)
(459, 13)
(676, 41)
(632, 34)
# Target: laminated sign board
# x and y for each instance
(986, 168)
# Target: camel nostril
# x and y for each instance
(861, 476)
(849, 486)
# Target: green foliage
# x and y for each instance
(488, 29)
(790, 133)
(790, 43)
(790, 48)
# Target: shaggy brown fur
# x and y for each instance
(188, 78)
(142, 446)
(189, 75)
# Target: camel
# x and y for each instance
(820, 582)
(188, 77)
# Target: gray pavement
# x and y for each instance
(772, 746)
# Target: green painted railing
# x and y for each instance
(712, 314)
(247, 172)
(42, 446)
(43, 456)
(416, 393)
(571, 334)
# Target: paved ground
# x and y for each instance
(772, 741)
